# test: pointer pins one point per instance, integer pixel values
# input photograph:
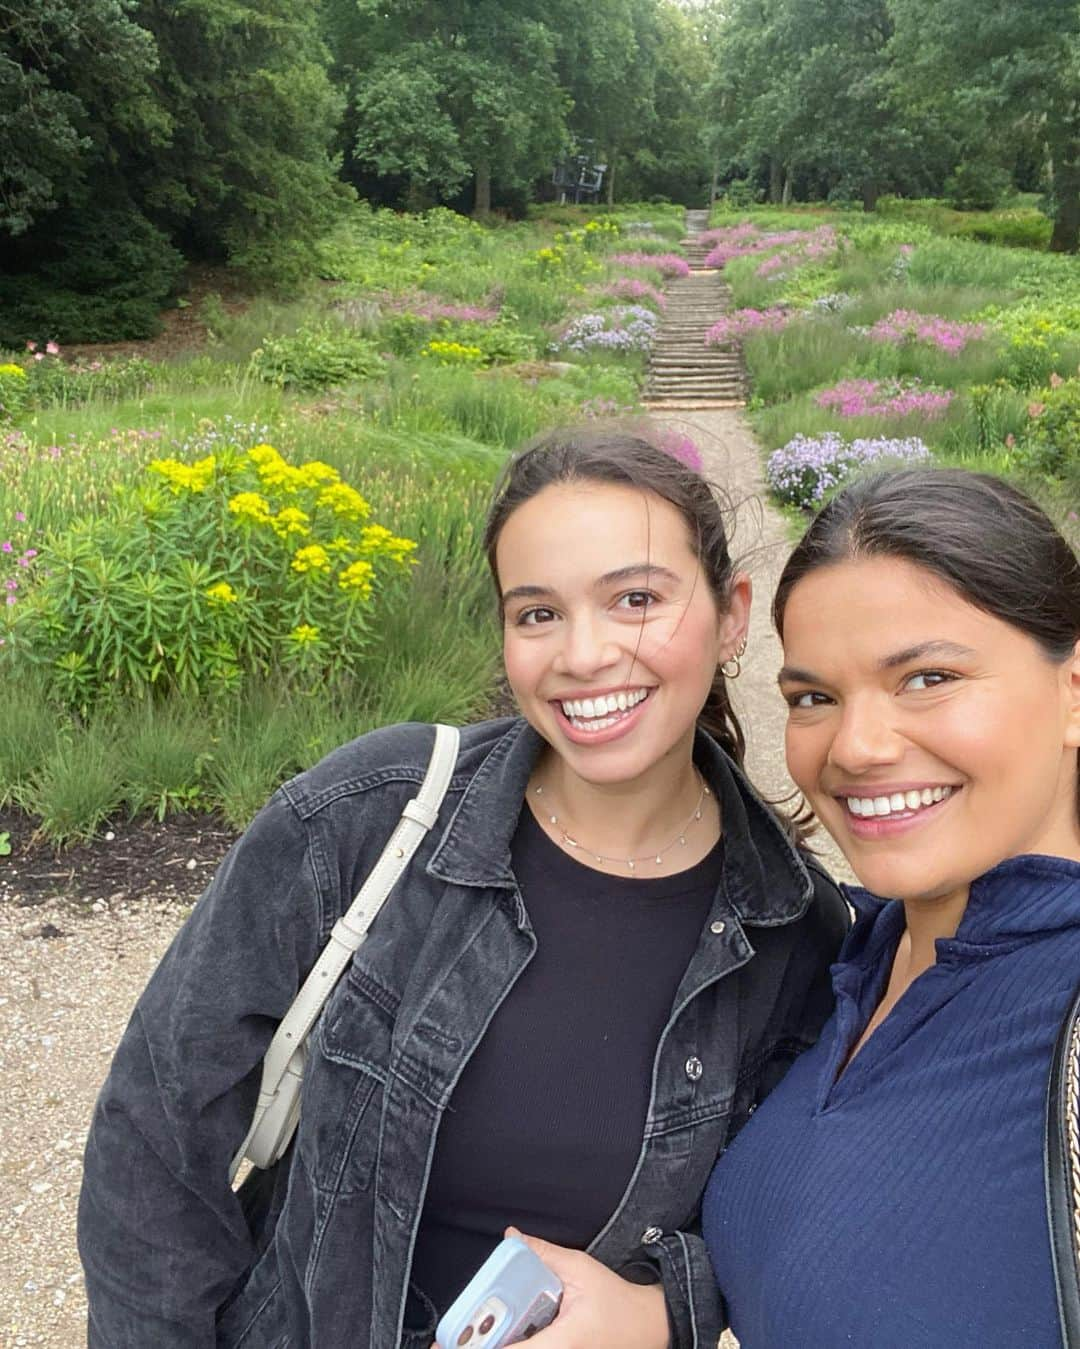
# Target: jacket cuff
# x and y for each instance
(693, 1300)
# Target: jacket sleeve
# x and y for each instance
(693, 1300)
(162, 1237)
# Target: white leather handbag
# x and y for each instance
(277, 1111)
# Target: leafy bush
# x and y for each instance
(14, 388)
(977, 185)
(316, 357)
(1052, 442)
(231, 566)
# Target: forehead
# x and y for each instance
(584, 530)
(873, 606)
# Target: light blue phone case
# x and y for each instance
(514, 1287)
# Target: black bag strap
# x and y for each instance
(1061, 1157)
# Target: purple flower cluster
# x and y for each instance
(668, 264)
(745, 323)
(905, 325)
(807, 468)
(631, 288)
(13, 552)
(622, 328)
(799, 246)
(884, 398)
(432, 310)
(681, 447)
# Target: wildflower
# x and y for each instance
(13, 371)
(877, 398)
(7, 546)
(746, 322)
(667, 264)
(186, 477)
(20, 516)
(304, 634)
(52, 348)
(221, 594)
(273, 469)
(905, 325)
(378, 539)
(10, 599)
(1010, 441)
(1056, 381)
(315, 473)
(1036, 409)
(806, 469)
(344, 501)
(290, 520)
(250, 506)
(313, 558)
(357, 577)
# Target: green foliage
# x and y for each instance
(1052, 443)
(234, 565)
(14, 391)
(316, 357)
(28, 734)
(78, 785)
(977, 185)
(164, 753)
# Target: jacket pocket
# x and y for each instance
(344, 1079)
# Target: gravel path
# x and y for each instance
(71, 975)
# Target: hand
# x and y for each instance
(599, 1309)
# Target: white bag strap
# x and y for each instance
(349, 931)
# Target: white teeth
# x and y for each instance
(865, 806)
(603, 706)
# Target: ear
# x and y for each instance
(1071, 676)
(736, 622)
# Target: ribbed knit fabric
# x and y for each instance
(902, 1206)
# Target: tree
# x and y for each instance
(70, 71)
(996, 69)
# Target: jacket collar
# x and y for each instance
(764, 878)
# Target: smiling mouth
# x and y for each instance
(897, 803)
(597, 714)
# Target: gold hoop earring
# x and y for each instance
(732, 667)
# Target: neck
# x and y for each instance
(929, 921)
(626, 818)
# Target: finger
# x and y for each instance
(561, 1260)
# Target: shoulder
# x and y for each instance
(397, 754)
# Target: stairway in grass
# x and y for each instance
(683, 372)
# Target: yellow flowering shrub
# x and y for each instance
(236, 564)
(13, 390)
(453, 353)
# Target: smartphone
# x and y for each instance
(510, 1297)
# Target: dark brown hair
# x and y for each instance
(983, 537)
(627, 458)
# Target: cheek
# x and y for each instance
(806, 749)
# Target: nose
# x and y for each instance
(587, 648)
(866, 736)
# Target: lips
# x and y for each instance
(604, 725)
(883, 804)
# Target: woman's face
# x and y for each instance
(932, 739)
(611, 633)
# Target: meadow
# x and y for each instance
(907, 336)
(219, 565)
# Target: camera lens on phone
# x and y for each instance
(465, 1336)
(486, 1324)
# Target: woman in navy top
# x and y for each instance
(889, 1194)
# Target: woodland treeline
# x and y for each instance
(136, 135)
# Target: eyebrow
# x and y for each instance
(609, 578)
(793, 674)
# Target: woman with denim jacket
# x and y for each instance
(605, 953)
(931, 628)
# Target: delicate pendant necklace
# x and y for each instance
(658, 856)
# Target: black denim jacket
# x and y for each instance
(316, 1253)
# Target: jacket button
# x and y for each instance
(651, 1235)
(694, 1068)
(717, 927)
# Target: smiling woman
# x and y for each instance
(931, 630)
(606, 951)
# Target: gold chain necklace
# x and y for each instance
(657, 856)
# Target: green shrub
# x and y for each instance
(163, 755)
(78, 785)
(1051, 444)
(231, 566)
(977, 185)
(316, 357)
(14, 391)
(28, 733)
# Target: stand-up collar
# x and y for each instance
(764, 877)
(1020, 897)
